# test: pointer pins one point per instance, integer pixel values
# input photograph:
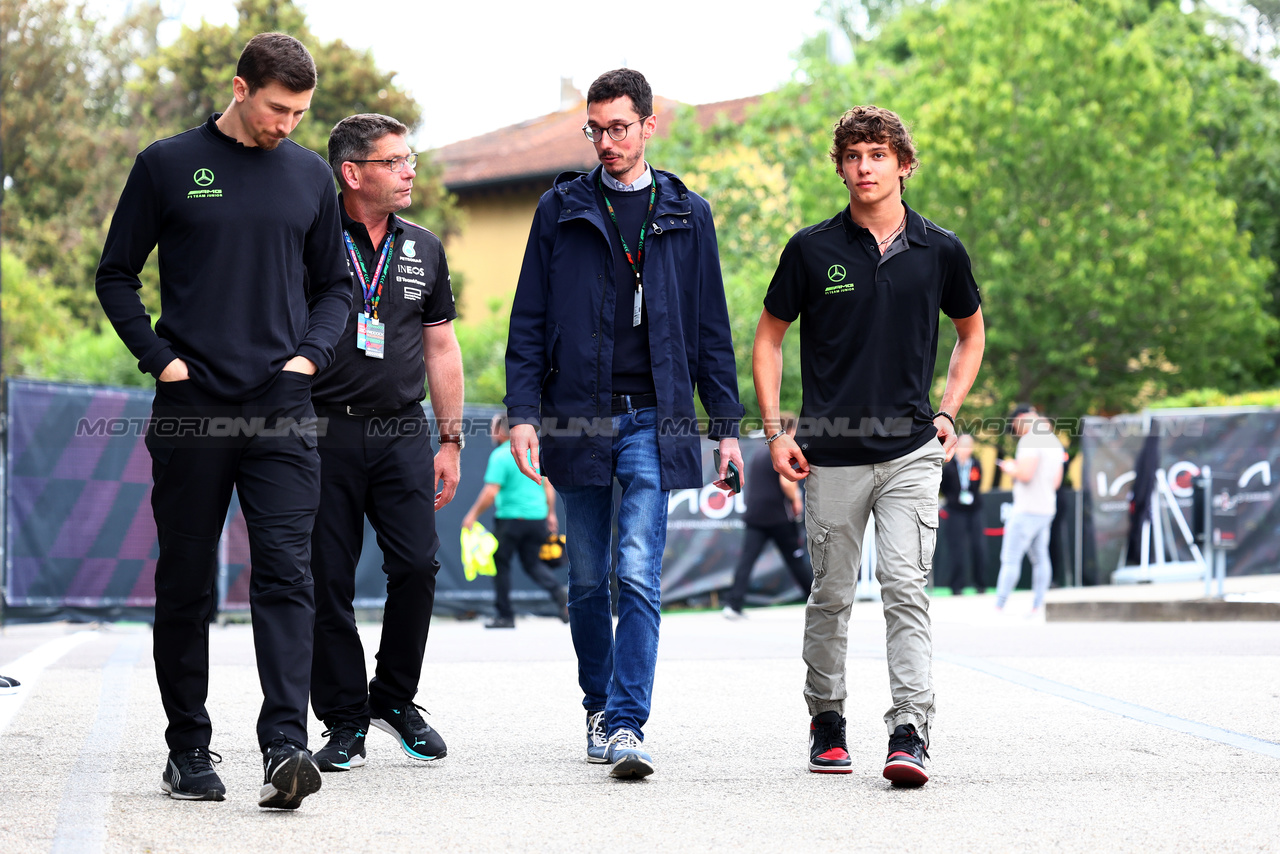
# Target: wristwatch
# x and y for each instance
(453, 439)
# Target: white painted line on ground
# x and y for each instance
(28, 668)
(1116, 707)
(82, 816)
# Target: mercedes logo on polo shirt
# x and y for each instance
(836, 273)
(203, 177)
(408, 251)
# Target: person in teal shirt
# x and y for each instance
(524, 516)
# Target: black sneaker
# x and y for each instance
(827, 751)
(290, 774)
(501, 623)
(9, 685)
(345, 749)
(907, 753)
(189, 776)
(417, 739)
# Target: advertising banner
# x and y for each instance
(1241, 445)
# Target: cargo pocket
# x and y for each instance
(927, 511)
(819, 545)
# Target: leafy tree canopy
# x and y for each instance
(1073, 157)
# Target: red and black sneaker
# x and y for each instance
(827, 752)
(907, 753)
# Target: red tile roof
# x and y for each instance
(546, 146)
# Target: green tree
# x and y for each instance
(80, 98)
(66, 134)
(1068, 161)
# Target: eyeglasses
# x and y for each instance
(616, 132)
(397, 163)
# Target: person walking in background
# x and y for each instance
(1036, 470)
(376, 453)
(254, 294)
(869, 284)
(773, 513)
(618, 315)
(524, 516)
(967, 544)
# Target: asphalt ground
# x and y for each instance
(1049, 737)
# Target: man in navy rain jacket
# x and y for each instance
(619, 313)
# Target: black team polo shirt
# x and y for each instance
(416, 293)
(869, 333)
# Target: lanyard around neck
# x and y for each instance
(371, 287)
(648, 217)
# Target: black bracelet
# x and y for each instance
(946, 415)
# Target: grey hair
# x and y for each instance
(354, 137)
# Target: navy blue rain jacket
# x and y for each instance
(560, 346)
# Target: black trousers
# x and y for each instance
(523, 537)
(788, 539)
(201, 447)
(383, 468)
(967, 546)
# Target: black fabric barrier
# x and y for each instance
(1242, 444)
(80, 540)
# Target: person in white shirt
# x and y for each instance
(1036, 470)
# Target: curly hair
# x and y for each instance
(875, 124)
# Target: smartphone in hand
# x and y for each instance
(733, 477)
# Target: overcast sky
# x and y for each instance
(478, 66)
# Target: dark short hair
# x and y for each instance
(875, 124)
(354, 137)
(278, 57)
(619, 82)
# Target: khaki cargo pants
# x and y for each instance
(903, 494)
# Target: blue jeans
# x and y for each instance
(615, 669)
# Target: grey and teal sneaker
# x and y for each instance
(417, 739)
(626, 757)
(597, 741)
(189, 775)
(345, 749)
(289, 775)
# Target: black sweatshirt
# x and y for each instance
(252, 269)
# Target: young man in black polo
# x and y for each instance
(375, 454)
(254, 294)
(869, 283)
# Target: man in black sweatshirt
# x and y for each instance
(255, 293)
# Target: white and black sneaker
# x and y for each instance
(345, 749)
(189, 775)
(597, 740)
(417, 739)
(9, 685)
(290, 774)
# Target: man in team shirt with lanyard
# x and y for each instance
(375, 450)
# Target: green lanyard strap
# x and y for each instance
(648, 218)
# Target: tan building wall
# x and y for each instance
(490, 249)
